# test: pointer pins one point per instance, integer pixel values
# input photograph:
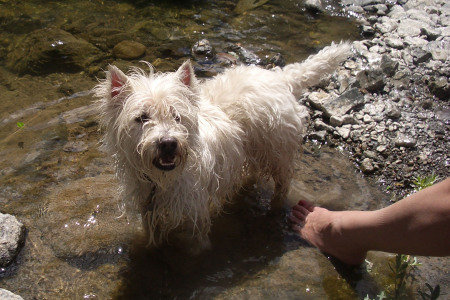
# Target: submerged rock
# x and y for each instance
(129, 50)
(51, 50)
(85, 219)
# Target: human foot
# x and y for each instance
(324, 229)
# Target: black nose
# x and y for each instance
(168, 145)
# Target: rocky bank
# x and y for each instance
(388, 105)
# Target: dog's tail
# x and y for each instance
(309, 72)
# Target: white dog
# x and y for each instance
(182, 147)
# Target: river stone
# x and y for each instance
(404, 141)
(372, 80)
(203, 48)
(7, 295)
(440, 88)
(12, 235)
(409, 27)
(128, 50)
(367, 166)
(314, 6)
(51, 50)
(388, 66)
(340, 106)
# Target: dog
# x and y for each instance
(182, 147)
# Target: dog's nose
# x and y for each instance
(168, 145)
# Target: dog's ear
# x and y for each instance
(117, 79)
(186, 74)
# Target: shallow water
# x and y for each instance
(55, 179)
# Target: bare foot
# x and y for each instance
(326, 230)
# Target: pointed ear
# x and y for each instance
(186, 74)
(117, 79)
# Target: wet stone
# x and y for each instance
(129, 50)
(340, 106)
(203, 48)
(12, 235)
(7, 295)
(51, 50)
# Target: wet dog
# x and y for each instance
(182, 147)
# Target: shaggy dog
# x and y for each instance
(182, 147)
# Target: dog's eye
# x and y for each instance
(177, 118)
(142, 118)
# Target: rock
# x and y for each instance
(51, 50)
(203, 48)
(320, 125)
(12, 235)
(245, 55)
(76, 146)
(394, 43)
(318, 136)
(129, 50)
(7, 295)
(440, 87)
(409, 27)
(367, 166)
(420, 56)
(314, 6)
(340, 106)
(404, 141)
(388, 66)
(344, 131)
(372, 80)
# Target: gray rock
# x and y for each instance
(367, 166)
(344, 131)
(409, 27)
(372, 80)
(203, 48)
(388, 66)
(391, 111)
(420, 56)
(440, 87)
(394, 43)
(405, 141)
(12, 235)
(318, 135)
(320, 125)
(342, 120)
(350, 100)
(314, 6)
(7, 295)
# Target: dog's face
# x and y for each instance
(150, 119)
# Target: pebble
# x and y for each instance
(129, 50)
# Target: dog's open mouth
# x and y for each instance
(165, 163)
